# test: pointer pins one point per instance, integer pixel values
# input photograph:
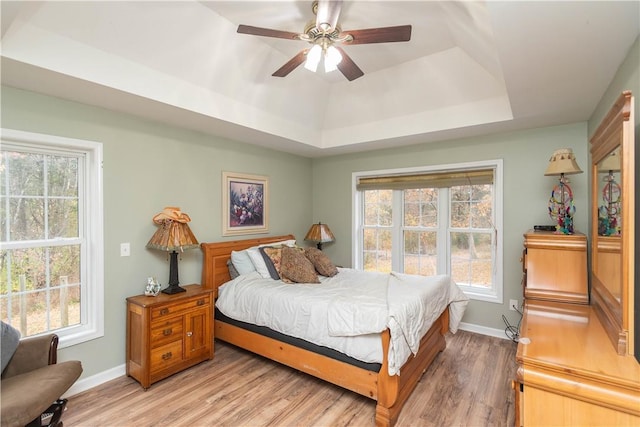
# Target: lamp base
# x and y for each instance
(174, 283)
(173, 289)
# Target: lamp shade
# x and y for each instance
(319, 233)
(173, 233)
(610, 163)
(313, 58)
(331, 59)
(563, 161)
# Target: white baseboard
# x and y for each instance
(113, 373)
(95, 380)
(483, 330)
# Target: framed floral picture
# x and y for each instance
(245, 204)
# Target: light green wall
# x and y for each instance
(526, 193)
(148, 166)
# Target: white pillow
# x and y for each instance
(258, 262)
(242, 262)
(290, 243)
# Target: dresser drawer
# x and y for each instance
(165, 331)
(166, 356)
(170, 309)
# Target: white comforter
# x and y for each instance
(348, 311)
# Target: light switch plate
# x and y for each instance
(125, 249)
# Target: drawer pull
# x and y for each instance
(167, 356)
(189, 333)
(164, 311)
(200, 302)
(167, 332)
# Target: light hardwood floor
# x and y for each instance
(469, 384)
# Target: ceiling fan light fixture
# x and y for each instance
(313, 58)
(331, 59)
(333, 55)
(329, 66)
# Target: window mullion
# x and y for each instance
(444, 247)
(397, 241)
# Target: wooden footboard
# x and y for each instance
(334, 371)
(390, 392)
(393, 391)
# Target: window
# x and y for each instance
(437, 220)
(51, 258)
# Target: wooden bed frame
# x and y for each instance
(390, 392)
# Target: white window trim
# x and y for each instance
(496, 294)
(92, 308)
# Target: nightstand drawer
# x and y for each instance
(166, 356)
(163, 311)
(163, 332)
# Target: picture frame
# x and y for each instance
(245, 204)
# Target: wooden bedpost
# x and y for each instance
(393, 391)
(444, 322)
(387, 387)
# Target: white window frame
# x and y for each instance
(92, 294)
(494, 294)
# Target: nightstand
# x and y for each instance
(168, 333)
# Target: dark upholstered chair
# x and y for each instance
(32, 382)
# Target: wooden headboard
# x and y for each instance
(214, 266)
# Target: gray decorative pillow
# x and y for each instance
(232, 270)
(296, 267)
(10, 338)
(321, 262)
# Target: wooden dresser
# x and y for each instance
(577, 363)
(555, 267)
(569, 374)
(168, 333)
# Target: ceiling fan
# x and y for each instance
(324, 34)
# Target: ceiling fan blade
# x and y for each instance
(401, 33)
(291, 65)
(266, 32)
(347, 67)
(327, 14)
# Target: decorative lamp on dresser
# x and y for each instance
(575, 357)
(168, 333)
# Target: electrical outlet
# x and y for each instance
(513, 304)
(125, 249)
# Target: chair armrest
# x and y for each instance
(32, 353)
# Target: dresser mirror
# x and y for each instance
(612, 223)
(608, 248)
